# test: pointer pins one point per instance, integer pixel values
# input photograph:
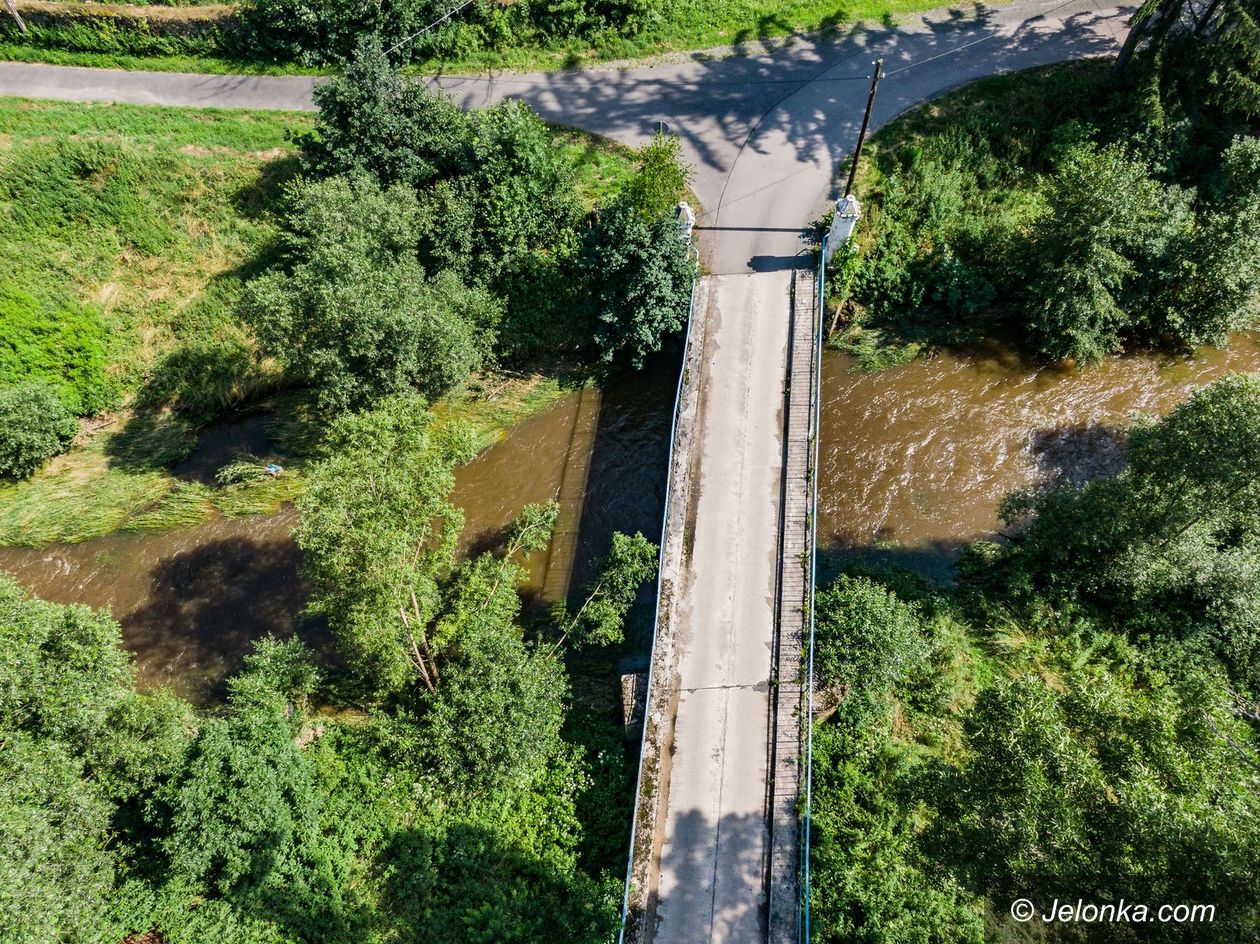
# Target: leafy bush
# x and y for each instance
(56, 867)
(35, 425)
(661, 178)
(125, 32)
(354, 314)
(868, 642)
(1216, 287)
(873, 877)
(494, 722)
(319, 32)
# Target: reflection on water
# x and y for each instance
(915, 460)
(189, 601)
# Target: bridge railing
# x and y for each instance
(815, 422)
(656, 620)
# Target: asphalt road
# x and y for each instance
(766, 134)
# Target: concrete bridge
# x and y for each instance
(716, 847)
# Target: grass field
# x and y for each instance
(147, 221)
(687, 25)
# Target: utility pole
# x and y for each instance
(845, 218)
(866, 122)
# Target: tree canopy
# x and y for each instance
(378, 531)
(353, 313)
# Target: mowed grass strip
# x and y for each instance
(683, 26)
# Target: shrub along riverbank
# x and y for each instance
(1074, 211)
(288, 36)
(136, 236)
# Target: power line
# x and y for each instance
(446, 16)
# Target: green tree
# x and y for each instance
(79, 749)
(485, 590)
(493, 185)
(1216, 287)
(1222, 39)
(642, 276)
(639, 263)
(661, 178)
(525, 201)
(1122, 781)
(494, 722)
(600, 620)
(1109, 222)
(374, 120)
(35, 425)
(243, 818)
(62, 668)
(378, 532)
(57, 870)
(65, 679)
(352, 311)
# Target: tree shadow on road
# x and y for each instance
(690, 909)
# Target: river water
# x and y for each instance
(914, 463)
(916, 459)
(189, 601)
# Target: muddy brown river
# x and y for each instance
(915, 461)
(190, 601)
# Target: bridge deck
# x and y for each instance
(715, 835)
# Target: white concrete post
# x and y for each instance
(848, 211)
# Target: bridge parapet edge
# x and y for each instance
(658, 719)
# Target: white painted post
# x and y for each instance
(848, 211)
(686, 219)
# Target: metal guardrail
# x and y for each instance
(656, 621)
(815, 422)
